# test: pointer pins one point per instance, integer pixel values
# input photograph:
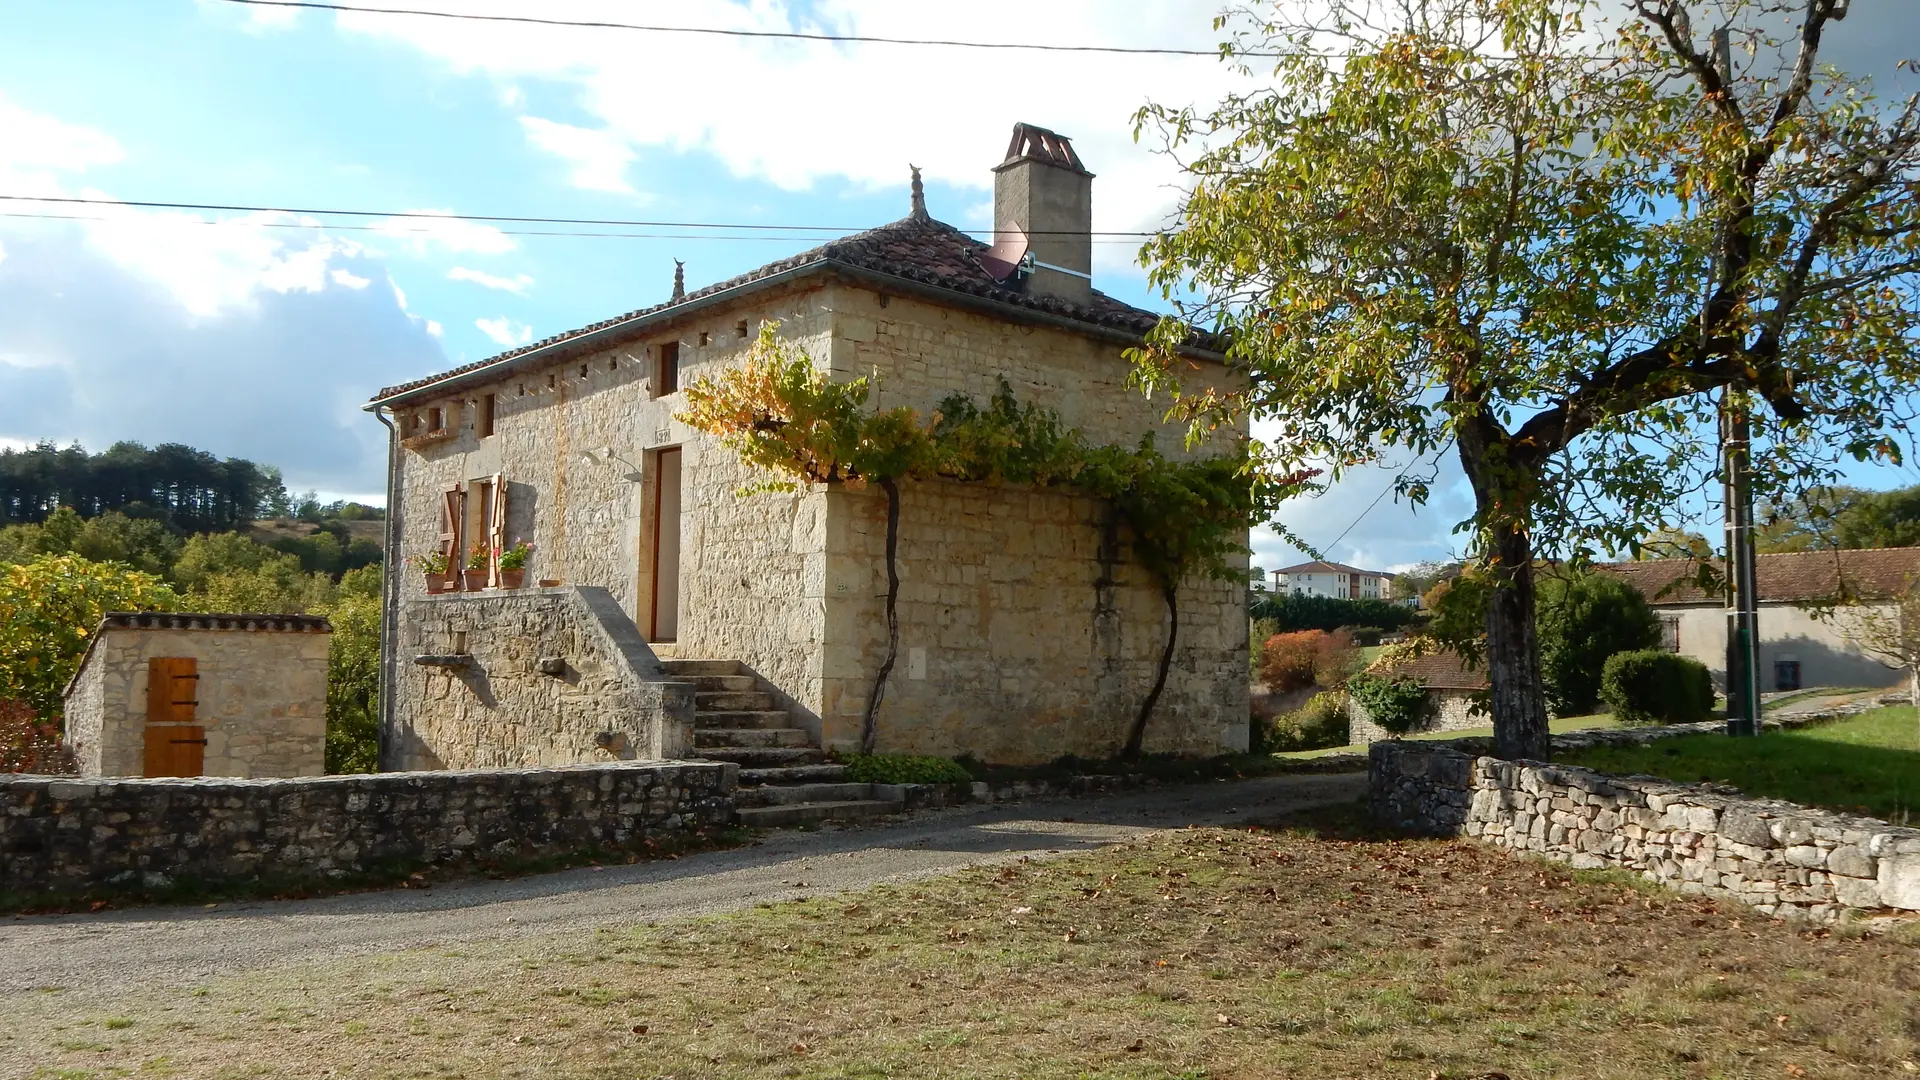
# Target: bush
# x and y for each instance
(1398, 704)
(29, 744)
(1289, 660)
(1651, 686)
(1320, 723)
(1258, 631)
(1301, 612)
(1584, 619)
(905, 769)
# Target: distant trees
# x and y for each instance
(186, 489)
(1299, 611)
(1842, 517)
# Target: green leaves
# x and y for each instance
(49, 608)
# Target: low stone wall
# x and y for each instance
(61, 835)
(1779, 857)
(1452, 710)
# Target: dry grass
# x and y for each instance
(1208, 953)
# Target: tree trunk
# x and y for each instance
(870, 724)
(1513, 652)
(1138, 736)
(1502, 490)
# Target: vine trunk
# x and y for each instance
(869, 726)
(1136, 738)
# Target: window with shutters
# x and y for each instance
(666, 374)
(1670, 633)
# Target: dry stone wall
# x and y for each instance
(1779, 857)
(525, 677)
(66, 836)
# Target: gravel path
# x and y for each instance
(183, 946)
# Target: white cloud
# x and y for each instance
(351, 280)
(505, 332)
(434, 328)
(781, 112)
(517, 285)
(35, 148)
(439, 229)
(599, 158)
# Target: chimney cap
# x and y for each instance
(1031, 142)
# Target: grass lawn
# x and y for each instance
(1866, 764)
(1201, 954)
(1563, 724)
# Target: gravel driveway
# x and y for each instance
(157, 947)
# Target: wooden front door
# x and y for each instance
(176, 745)
(666, 548)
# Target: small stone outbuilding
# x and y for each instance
(1452, 684)
(168, 694)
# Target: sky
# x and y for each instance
(261, 334)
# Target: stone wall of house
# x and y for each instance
(526, 677)
(1452, 711)
(262, 700)
(1021, 639)
(61, 835)
(1781, 858)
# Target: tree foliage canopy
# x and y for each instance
(49, 609)
(1463, 223)
(186, 489)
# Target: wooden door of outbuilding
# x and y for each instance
(176, 745)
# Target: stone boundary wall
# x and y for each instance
(1780, 858)
(60, 835)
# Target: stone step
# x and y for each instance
(688, 669)
(808, 813)
(734, 701)
(721, 720)
(705, 737)
(714, 683)
(790, 774)
(784, 794)
(764, 757)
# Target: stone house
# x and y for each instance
(1451, 684)
(1025, 631)
(1812, 608)
(168, 694)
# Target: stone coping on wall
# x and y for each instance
(1779, 857)
(65, 835)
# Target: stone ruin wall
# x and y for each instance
(1778, 857)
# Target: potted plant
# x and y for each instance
(476, 573)
(433, 565)
(513, 564)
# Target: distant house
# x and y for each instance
(1337, 580)
(1451, 684)
(1797, 646)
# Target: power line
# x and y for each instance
(426, 215)
(787, 35)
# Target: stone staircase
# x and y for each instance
(784, 778)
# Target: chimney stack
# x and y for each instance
(1043, 193)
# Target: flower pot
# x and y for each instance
(438, 583)
(475, 579)
(513, 579)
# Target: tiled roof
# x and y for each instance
(1330, 568)
(1442, 670)
(912, 249)
(1794, 577)
(176, 620)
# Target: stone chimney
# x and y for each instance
(1042, 192)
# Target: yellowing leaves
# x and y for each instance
(48, 609)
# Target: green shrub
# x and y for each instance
(1398, 704)
(1320, 723)
(1650, 686)
(905, 769)
(1584, 618)
(1258, 631)
(1298, 611)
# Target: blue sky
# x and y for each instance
(263, 342)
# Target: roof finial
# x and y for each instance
(919, 196)
(679, 281)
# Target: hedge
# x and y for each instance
(1652, 686)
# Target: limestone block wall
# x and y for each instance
(1020, 638)
(483, 700)
(60, 835)
(1452, 711)
(1781, 858)
(262, 693)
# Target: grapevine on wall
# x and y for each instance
(780, 412)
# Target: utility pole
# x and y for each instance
(1736, 436)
